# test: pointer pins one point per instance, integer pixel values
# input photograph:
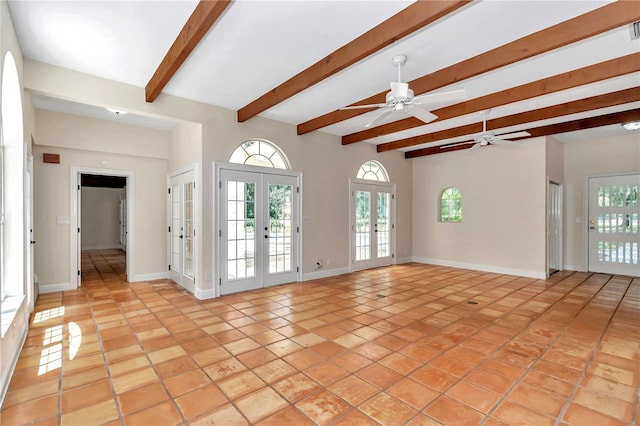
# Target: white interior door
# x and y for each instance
(614, 212)
(372, 225)
(554, 228)
(182, 230)
(258, 230)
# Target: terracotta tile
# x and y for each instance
(434, 378)
(322, 407)
(412, 393)
(185, 382)
(303, 359)
(450, 411)
(350, 341)
(29, 412)
(30, 392)
(260, 404)
(296, 387)
(175, 366)
(489, 380)
(328, 349)
(256, 357)
(351, 361)
(503, 368)
(226, 414)
(141, 398)
(267, 337)
(80, 397)
(515, 414)
(578, 415)
(274, 370)
(378, 375)
(388, 410)
(373, 351)
(422, 420)
(93, 414)
(419, 353)
(240, 384)
(607, 387)
(355, 418)
(548, 383)
(288, 416)
(224, 368)
(159, 343)
(284, 347)
(200, 400)
(210, 356)
(612, 373)
(165, 413)
(135, 379)
(353, 390)
(452, 366)
(325, 373)
(477, 398)
(400, 363)
(604, 404)
(536, 399)
(128, 365)
(81, 378)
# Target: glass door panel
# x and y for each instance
(363, 225)
(182, 232)
(371, 225)
(281, 237)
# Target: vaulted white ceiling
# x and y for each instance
(257, 45)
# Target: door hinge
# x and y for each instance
(297, 269)
(393, 226)
(393, 196)
(169, 229)
(220, 233)
(194, 186)
(393, 255)
(298, 189)
(220, 184)
(168, 267)
(298, 229)
(168, 190)
(78, 273)
(220, 281)
(78, 187)
(78, 230)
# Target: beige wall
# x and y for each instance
(581, 159)
(503, 207)
(555, 160)
(100, 211)
(100, 135)
(185, 146)
(53, 199)
(326, 165)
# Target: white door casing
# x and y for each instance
(372, 224)
(613, 224)
(554, 227)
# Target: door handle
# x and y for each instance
(180, 236)
(592, 227)
(266, 236)
(32, 242)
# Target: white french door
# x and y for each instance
(372, 225)
(614, 221)
(182, 230)
(259, 229)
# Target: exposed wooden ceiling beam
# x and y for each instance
(590, 74)
(581, 105)
(410, 19)
(553, 129)
(199, 23)
(603, 19)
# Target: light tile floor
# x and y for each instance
(409, 344)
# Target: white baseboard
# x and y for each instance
(204, 294)
(150, 277)
(52, 288)
(324, 273)
(573, 268)
(541, 275)
(8, 372)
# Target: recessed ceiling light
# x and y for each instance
(632, 125)
(116, 111)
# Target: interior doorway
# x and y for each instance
(97, 218)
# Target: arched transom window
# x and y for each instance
(259, 153)
(372, 170)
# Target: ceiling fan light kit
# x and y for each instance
(631, 125)
(402, 99)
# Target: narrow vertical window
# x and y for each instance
(451, 205)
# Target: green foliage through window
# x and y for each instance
(451, 205)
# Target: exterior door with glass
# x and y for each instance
(258, 230)
(614, 224)
(372, 225)
(182, 230)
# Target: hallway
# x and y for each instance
(408, 344)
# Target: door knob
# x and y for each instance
(266, 236)
(592, 227)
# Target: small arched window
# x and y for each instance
(260, 153)
(451, 205)
(373, 170)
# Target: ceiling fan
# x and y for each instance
(488, 137)
(402, 99)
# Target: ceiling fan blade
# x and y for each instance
(421, 114)
(441, 98)
(399, 90)
(475, 146)
(379, 118)
(503, 142)
(364, 106)
(451, 145)
(514, 135)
